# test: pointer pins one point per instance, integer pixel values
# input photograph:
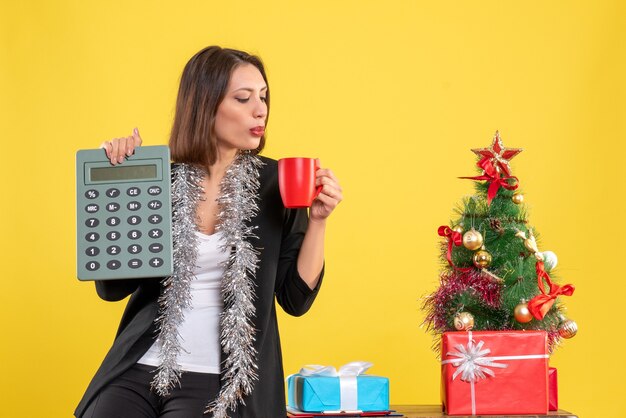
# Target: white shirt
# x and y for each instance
(200, 331)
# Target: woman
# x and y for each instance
(208, 334)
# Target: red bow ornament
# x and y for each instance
(494, 179)
(453, 238)
(541, 304)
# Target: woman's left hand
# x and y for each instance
(329, 197)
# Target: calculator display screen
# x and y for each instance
(133, 172)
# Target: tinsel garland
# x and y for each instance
(176, 295)
(238, 203)
(453, 283)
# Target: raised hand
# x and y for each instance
(118, 149)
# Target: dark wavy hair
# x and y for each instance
(202, 88)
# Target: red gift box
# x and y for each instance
(494, 372)
(553, 390)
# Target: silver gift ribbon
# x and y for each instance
(347, 380)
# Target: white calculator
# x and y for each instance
(123, 215)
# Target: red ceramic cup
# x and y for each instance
(296, 180)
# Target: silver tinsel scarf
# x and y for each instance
(176, 296)
(238, 200)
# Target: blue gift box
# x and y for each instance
(323, 393)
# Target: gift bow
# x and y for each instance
(472, 362)
(347, 380)
(541, 304)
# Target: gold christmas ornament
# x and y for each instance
(482, 259)
(464, 321)
(458, 228)
(472, 240)
(530, 243)
(517, 198)
(492, 276)
(522, 314)
(568, 328)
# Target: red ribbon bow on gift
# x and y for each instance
(493, 178)
(541, 304)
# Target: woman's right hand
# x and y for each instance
(118, 149)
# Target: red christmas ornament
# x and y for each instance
(496, 156)
(495, 164)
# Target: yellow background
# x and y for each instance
(389, 94)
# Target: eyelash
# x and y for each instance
(263, 99)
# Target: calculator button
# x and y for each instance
(135, 263)
(155, 219)
(155, 248)
(113, 207)
(113, 192)
(92, 251)
(92, 266)
(155, 204)
(113, 236)
(156, 233)
(93, 208)
(91, 194)
(133, 191)
(154, 190)
(134, 234)
(134, 249)
(134, 205)
(92, 237)
(114, 250)
(114, 264)
(134, 220)
(92, 222)
(113, 221)
(156, 262)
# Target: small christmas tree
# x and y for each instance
(494, 276)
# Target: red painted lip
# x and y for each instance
(258, 130)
